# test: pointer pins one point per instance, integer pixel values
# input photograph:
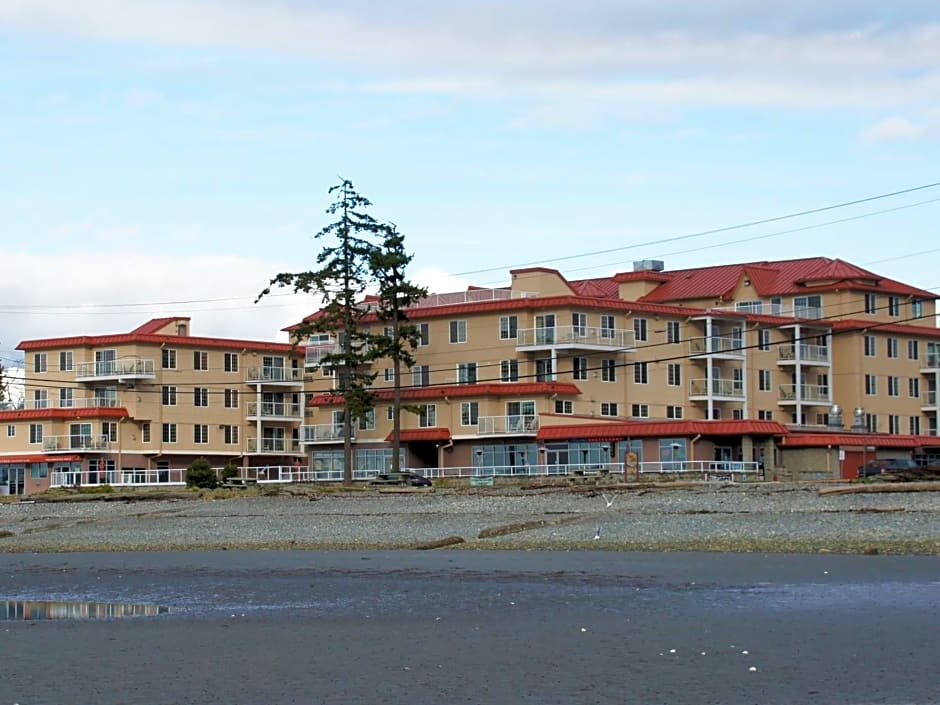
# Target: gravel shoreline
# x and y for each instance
(769, 517)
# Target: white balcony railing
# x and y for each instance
(323, 433)
(716, 345)
(807, 353)
(522, 424)
(807, 392)
(125, 368)
(719, 388)
(766, 308)
(274, 374)
(932, 362)
(590, 337)
(73, 403)
(275, 409)
(273, 445)
(74, 442)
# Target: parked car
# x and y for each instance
(405, 478)
(883, 466)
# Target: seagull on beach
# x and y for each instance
(597, 533)
(609, 500)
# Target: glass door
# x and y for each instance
(545, 329)
(105, 362)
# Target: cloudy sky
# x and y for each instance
(169, 157)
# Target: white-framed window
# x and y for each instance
(469, 413)
(168, 395)
(870, 346)
(894, 424)
(424, 334)
(509, 371)
(39, 362)
(564, 406)
(145, 432)
(913, 425)
(66, 400)
(871, 423)
(871, 303)
(871, 385)
(544, 372)
(579, 368)
(508, 327)
(640, 411)
(65, 361)
(894, 306)
(200, 360)
(673, 332)
(35, 433)
(389, 374)
(674, 374)
(894, 386)
(427, 415)
(169, 433)
(109, 431)
(608, 323)
(913, 349)
(420, 376)
(367, 421)
(200, 396)
(11, 430)
(913, 387)
(608, 408)
(390, 413)
(673, 411)
(917, 311)
(168, 359)
(579, 324)
(40, 399)
(765, 415)
(641, 373)
(737, 414)
(892, 347)
(230, 398)
(200, 433)
(466, 373)
(458, 331)
(763, 339)
(230, 362)
(230, 435)
(640, 329)
(764, 380)
(608, 370)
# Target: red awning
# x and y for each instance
(411, 435)
(17, 459)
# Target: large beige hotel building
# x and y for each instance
(807, 365)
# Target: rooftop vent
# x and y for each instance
(648, 265)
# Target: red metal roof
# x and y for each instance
(155, 324)
(82, 413)
(508, 389)
(663, 429)
(877, 326)
(797, 439)
(8, 459)
(411, 435)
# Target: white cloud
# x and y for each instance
(895, 129)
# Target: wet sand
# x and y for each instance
(477, 627)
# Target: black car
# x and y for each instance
(883, 466)
(404, 478)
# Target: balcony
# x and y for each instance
(930, 402)
(274, 375)
(931, 364)
(79, 403)
(323, 433)
(575, 338)
(716, 346)
(275, 411)
(812, 354)
(721, 389)
(316, 353)
(273, 445)
(766, 308)
(128, 369)
(815, 394)
(65, 444)
(519, 425)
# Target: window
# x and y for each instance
(389, 374)
(672, 332)
(39, 362)
(894, 386)
(564, 406)
(467, 373)
(420, 376)
(169, 396)
(870, 346)
(639, 329)
(65, 398)
(894, 424)
(40, 399)
(543, 370)
(145, 432)
(427, 416)
(641, 373)
(913, 388)
(871, 303)
(458, 331)
(640, 411)
(424, 334)
(230, 435)
(892, 347)
(608, 408)
(579, 324)
(763, 339)
(390, 413)
(871, 385)
(607, 326)
(764, 380)
(35, 433)
(168, 359)
(109, 431)
(200, 396)
(674, 374)
(169, 433)
(201, 433)
(579, 368)
(39, 471)
(894, 306)
(508, 327)
(913, 425)
(367, 421)
(673, 412)
(737, 414)
(469, 413)
(230, 362)
(913, 350)
(200, 360)
(11, 431)
(765, 415)
(807, 306)
(65, 361)
(917, 311)
(230, 398)
(871, 423)
(609, 370)
(509, 371)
